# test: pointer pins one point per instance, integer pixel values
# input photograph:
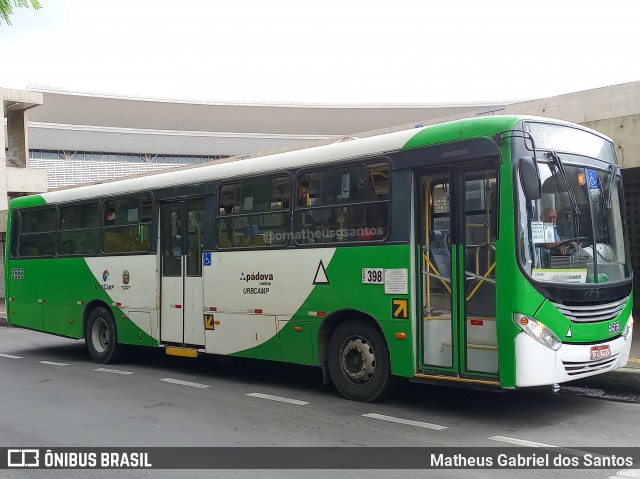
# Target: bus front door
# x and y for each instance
(181, 244)
(457, 226)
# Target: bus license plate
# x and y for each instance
(599, 352)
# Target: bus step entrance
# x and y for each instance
(181, 351)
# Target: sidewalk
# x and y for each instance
(625, 378)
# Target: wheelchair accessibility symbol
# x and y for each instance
(592, 178)
(206, 259)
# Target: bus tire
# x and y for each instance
(359, 362)
(100, 336)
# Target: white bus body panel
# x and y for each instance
(171, 312)
(537, 365)
(138, 294)
(193, 319)
(247, 290)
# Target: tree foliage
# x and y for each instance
(7, 6)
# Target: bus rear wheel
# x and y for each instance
(100, 336)
(359, 362)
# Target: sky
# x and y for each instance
(419, 52)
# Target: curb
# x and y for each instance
(624, 380)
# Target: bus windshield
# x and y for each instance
(574, 233)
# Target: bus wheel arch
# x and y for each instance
(100, 332)
(88, 309)
(354, 353)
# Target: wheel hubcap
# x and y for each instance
(358, 360)
(100, 335)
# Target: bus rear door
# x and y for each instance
(181, 245)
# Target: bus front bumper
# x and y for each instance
(537, 365)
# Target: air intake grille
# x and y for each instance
(576, 368)
(592, 313)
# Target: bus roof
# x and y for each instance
(360, 147)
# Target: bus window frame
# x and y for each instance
(19, 234)
(71, 204)
(152, 223)
(240, 179)
(362, 161)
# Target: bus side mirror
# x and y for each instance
(530, 178)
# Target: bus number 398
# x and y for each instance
(373, 275)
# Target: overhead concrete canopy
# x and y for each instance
(16, 100)
(93, 122)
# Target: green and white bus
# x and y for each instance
(489, 251)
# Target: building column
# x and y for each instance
(14, 178)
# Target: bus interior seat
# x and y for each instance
(258, 241)
(439, 254)
(564, 223)
(115, 242)
(224, 242)
(139, 245)
(484, 254)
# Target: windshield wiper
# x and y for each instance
(553, 156)
(606, 192)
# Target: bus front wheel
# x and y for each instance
(100, 336)
(359, 362)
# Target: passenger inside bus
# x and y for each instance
(251, 232)
(375, 223)
(226, 241)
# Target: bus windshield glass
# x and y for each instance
(567, 241)
(561, 138)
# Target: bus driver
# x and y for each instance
(549, 215)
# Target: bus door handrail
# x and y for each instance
(485, 276)
(489, 246)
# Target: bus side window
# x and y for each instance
(37, 228)
(78, 229)
(253, 213)
(127, 225)
(343, 204)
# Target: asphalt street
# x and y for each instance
(54, 396)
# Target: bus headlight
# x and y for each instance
(627, 328)
(537, 331)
